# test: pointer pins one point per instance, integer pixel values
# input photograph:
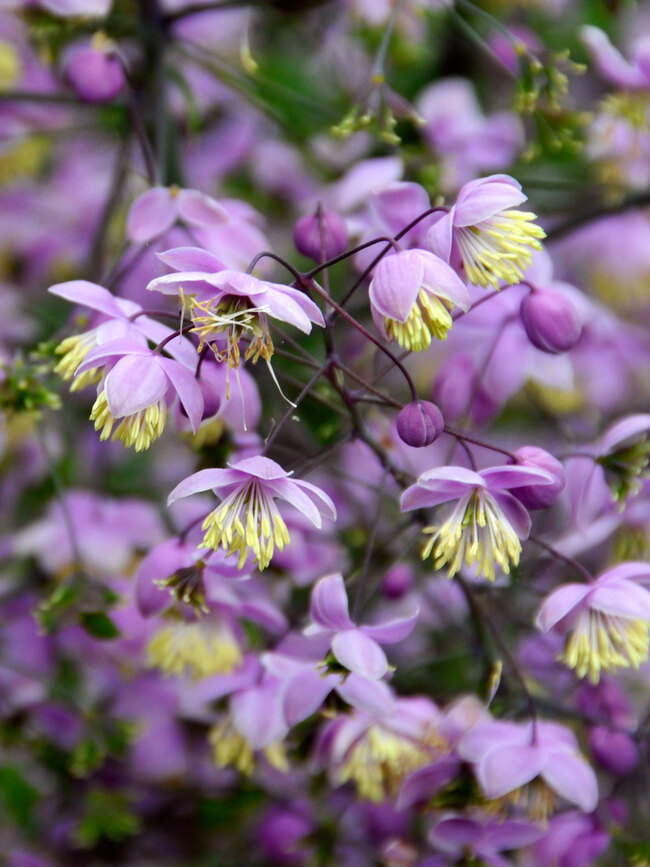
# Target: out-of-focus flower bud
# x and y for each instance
(308, 240)
(539, 496)
(613, 750)
(420, 423)
(551, 321)
(94, 70)
(398, 581)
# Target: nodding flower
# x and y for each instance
(248, 520)
(133, 397)
(487, 522)
(485, 234)
(411, 295)
(607, 621)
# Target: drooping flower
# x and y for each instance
(133, 397)
(357, 648)
(248, 520)
(231, 306)
(120, 319)
(607, 620)
(487, 522)
(509, 756)
(411, 294)
(486, 234)
(200, 648)
(156, 211)
(482, 835)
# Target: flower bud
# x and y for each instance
(94, 71)
(614, 750)
(420, 423)
(539, 496)
(551, 321)
(308, 240)
(398, 581)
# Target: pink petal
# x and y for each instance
(440, 237)
(478, 201)
(626, 429)
(393, 630)
(506, 477)
(514, 512)
(260, 467)
(373, 697)
(152, 213)
(115, 349)
(204, 480)
(360, 654)
(134, 384)
(443, 281)
(198, 209)
(572, 778)
(508, 767)
(88, 295)
(187, 388)
(396, 284)
(625, 599)
(329, 603)
(560, 603)
(258, 715)
(191, 259)
(305, 693)
(609, 61)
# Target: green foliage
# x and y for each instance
(106, 815)
(19, 796)
(99, 625)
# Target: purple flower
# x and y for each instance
(482, 835)
(230, 305)
(485, 233)
(612, 65)
(487, 522)
(355, 647)
(411, 294)
(136, 391)
(607, 620)
(508, 755)
(94, 70)
(248, 519)
(155, 212)
(119, 320)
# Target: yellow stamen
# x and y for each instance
(605, 642)
(477, 532)
(73, 350)
(499, 248)
(231, 748)
(139, 429)
(246, 521)
(429, 317)
(198, 649)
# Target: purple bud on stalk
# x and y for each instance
(95, 71)
(315, 235)
(539, 496)
(551, 321)
(420, 423)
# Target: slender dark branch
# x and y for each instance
(639, 200)
(141, 135)
(574, 564)
(96, 254)
(386, 400)
(463, 438)
(163, 343)
(370, 547)
(348, 253)
(290, 411)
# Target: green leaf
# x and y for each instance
(106, 815)
(99, 625)
(19, 796)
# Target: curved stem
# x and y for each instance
(461, 437)
(574, 564)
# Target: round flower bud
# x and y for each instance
(307, 235)
(398, 581)
(539, 496)
(551, 321)
(420, 423)
(94, 71)
(614, 750)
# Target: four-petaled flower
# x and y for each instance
(508, 756)
(411, 294)
(355, 647)
(232, 306)
(607, 620)
(487, 522)
(248, 519)
(485, 233)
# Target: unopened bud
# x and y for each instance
(321, 236)
(398, 581)
(551, 321)
(420, 423)
(539, 496)
(95, 72)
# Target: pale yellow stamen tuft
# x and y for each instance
(429, 318)
(139, 429)
(73, 350)
(500, 248)
(477, 532)
(605, 642)
(198, 649)
(247, 521)
(379, 761)
(230, 748)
